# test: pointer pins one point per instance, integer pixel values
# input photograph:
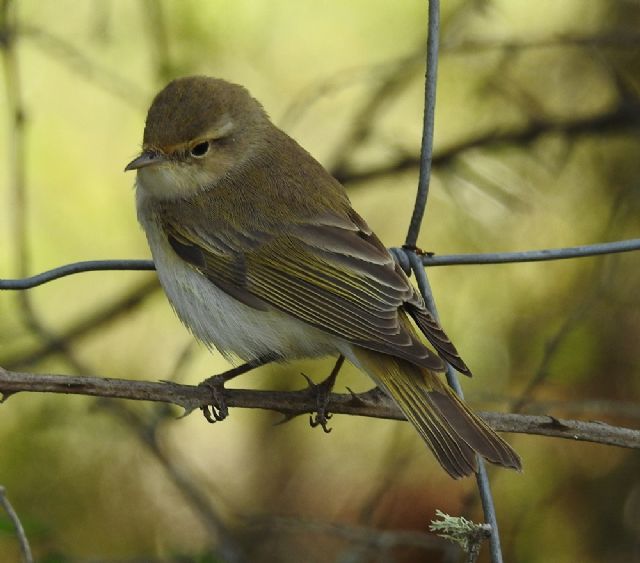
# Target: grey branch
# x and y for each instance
(293, 403)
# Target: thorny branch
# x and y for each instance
(293, 403)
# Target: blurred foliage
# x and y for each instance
(536, 146)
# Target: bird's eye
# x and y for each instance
(199, 150)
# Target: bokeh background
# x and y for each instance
(536, 146)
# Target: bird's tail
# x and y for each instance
(453, 433)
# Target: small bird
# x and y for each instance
(261, 255)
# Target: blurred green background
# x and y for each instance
(536, 146)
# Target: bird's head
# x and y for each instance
(198, 129)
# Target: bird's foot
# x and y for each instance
(322, 393)
(216, 410)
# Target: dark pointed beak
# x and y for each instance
(146, 158)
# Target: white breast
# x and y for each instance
(219, 320)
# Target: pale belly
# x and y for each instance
(225, 323)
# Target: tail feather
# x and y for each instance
(456, 456)
(453, 433)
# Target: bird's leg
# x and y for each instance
(217, 409)
(322, 392)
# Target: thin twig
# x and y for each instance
(156, 26)
(25, 550)
(369, 536)
(17, 167)
(619, 39)
(586, 407)
(341, 80)
(553, 345)
(362, 125)
(619, 118)
(147, 433)
(88, 69)
(16, 140)
(293, 403)
(131, 299)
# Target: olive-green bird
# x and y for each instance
(261, 254)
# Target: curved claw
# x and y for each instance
(213, 414)
(217, 409)
(322, 392)
(321, 419)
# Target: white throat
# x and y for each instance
(171, 180)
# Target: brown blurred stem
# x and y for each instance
(122, 305)
(374, 539)
(622, 117)
(158, 34)
(17, 177)
(147, 433)
(25, 550)
(16, 134)
(88, 69)
(292, 403)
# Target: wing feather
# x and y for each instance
(331, 272)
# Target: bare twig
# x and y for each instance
(592, 407)
(344, 78)
(363, 123)
(294, 403)
(17, 157)
(16, 130)
(25, 550)
(135, 296)
(147, 433)
(381, 539)
(619, 39)
(86, 68)
(622, 117)
(552, 346)
(156, 26)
